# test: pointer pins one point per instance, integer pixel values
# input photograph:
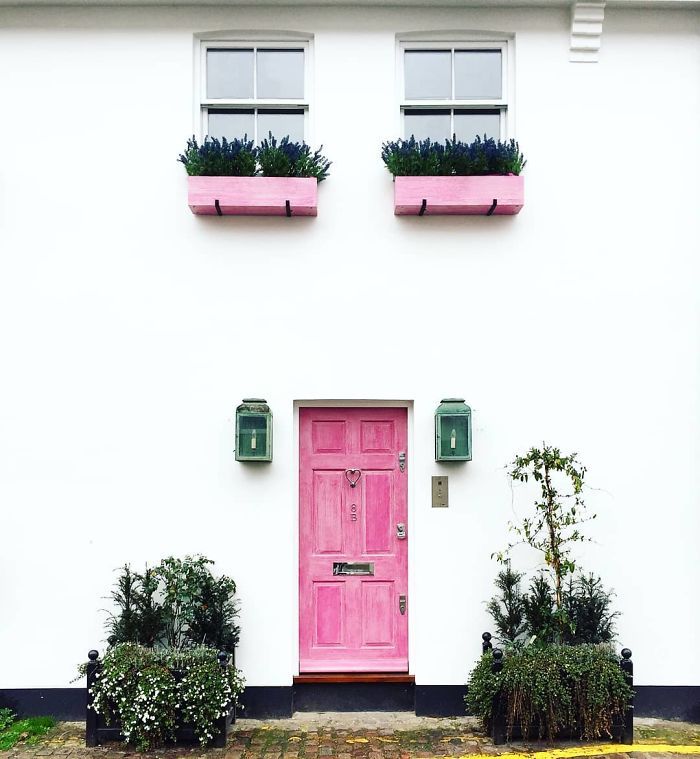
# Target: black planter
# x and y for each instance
(97, 730)
(499, 730)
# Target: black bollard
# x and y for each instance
(90, 713)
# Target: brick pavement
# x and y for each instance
(363, 736)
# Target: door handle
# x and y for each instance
(401, 531)
(402, 604)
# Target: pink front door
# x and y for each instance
(353, 552)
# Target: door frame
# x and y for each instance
(357, 403)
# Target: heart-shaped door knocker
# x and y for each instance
(353, 476)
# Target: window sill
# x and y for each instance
(252, 196)
(472, 196)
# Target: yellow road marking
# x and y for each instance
(357, 740)
(602, 750)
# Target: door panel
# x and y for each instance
(352, 622)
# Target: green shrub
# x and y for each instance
(139, 687)
(481, 157)
(585, 616)
(546, 689)
(507, 608)
(291, 159)
(219, 158)
(178, 604)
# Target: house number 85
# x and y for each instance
(353, 513)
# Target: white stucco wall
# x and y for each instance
(131, 329)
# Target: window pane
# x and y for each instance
(422, 124)
(281, 122)
(469, 124)
(229, 73)
(281, 74)
(428, 74)
(231, 124)
(477, 74)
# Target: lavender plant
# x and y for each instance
(481, 157)
(285, 158)
(219, 158)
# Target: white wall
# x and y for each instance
(127, 338)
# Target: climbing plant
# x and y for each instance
(555, 523)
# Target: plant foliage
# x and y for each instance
(27, 731)
(7, 717)
(239, 158)
(559, 511)
(178, 604)
(291, 159)
(148, 689)
(587, 605)
(507, 608)
(546, 689)
(520, 617)
(219, 158)
(481, 157)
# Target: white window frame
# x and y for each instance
(456, 42)
(255, 41)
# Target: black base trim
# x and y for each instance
(276, 702)
(354, 697)
(62, 703)
(440, 700)
(668, 702)
(266, 702)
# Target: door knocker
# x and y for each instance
(353, 476)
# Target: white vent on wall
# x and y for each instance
(586, 31)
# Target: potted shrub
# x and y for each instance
(553, 691)
(558, 675)
(236, 178)
(169, 672)
(482, 177)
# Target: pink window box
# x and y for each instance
(253, 196)
(416, 196)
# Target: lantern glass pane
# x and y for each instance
(454, 431)
(252, 436)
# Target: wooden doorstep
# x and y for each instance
(353, 677)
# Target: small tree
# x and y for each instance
(507, 608)
(558, 513)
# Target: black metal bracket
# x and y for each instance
(218, 207)
(288, 207)
(424, 207)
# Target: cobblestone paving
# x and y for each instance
(359, 736)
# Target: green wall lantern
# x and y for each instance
(253, 430)
(453, 430)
